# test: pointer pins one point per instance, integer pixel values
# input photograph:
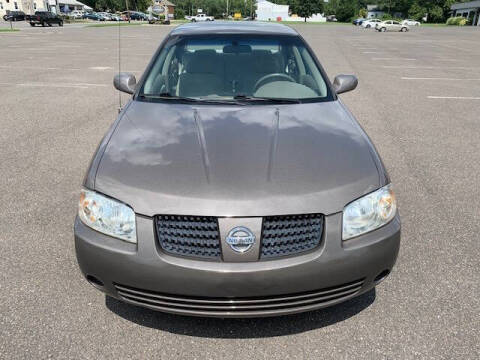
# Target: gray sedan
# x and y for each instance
(235, 182)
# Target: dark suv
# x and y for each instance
(14, 16)
(44, 18)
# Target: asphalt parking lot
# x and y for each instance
(418, 99)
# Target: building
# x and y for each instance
(376, 12)
(27, 6)
(469, 10)
(66, 6)
(267, 11)
(30, 6)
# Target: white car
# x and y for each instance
(76, 14)
(391, 25)
(370, 23)
(202, 17)
(410, 22)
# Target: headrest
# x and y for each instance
(203, 62)
(265, 62)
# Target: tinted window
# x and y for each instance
(225, 67)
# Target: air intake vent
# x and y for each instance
(291, 234)
(193, 236)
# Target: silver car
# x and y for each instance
(235, 182)
(391, 25)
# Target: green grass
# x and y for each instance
(8, 30)
(432, 25)
(312, 23)
(117, 24)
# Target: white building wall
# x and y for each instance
(27, 6)
(267, 11)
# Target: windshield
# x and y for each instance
(231, 67)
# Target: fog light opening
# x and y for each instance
(380, 277)
(94, 281)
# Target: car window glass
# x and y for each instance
(226, 67)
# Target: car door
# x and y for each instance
(396, 26)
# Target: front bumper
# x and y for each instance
(143, 275)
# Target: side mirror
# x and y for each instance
(344, 83)
(125, 82)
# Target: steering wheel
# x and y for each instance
(272, 77)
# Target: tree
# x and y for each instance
(306, 8)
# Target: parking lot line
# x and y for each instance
(405, 59)
(454, 97)
(442, 79)
(430, 67)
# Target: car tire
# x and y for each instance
(383, 29)
(43, 24)
(368, 26)
(60, 23)
(32, 24)
(404, 29)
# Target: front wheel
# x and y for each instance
(404, 29)
(369, 26)
(383, 29)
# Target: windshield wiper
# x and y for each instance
(168, 96)
(242, 97)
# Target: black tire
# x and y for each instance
(49, 24)
(43, 24)
(60, 23)
(32, 24)
(404, 29)
(383, 29)
(368, 26)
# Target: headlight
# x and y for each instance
(369, 212)
(107, 216)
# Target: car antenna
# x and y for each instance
(120, 56)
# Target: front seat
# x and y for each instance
(203, 74)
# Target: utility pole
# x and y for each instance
(227, 10)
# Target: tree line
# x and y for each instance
(344, 10)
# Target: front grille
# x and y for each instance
(291, 234)
(194, 236)
(242, 306)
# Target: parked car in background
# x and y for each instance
(116, 17)
(202, 17)
(370, 23)
(93, 16)
(410, 22)
(358, 21)
(14, 16)
(106, 16)
(44, 18)
(76, 14)
(332, 18)
(391, 25)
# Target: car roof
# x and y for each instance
(233, 27)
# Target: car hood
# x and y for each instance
(238, 160)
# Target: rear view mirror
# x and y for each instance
(344, 83)
(125, 82)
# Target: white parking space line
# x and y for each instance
(403, 59)
(454, 97)
(430, 67)
(442, 79)
(370, 52)
(56, 85)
